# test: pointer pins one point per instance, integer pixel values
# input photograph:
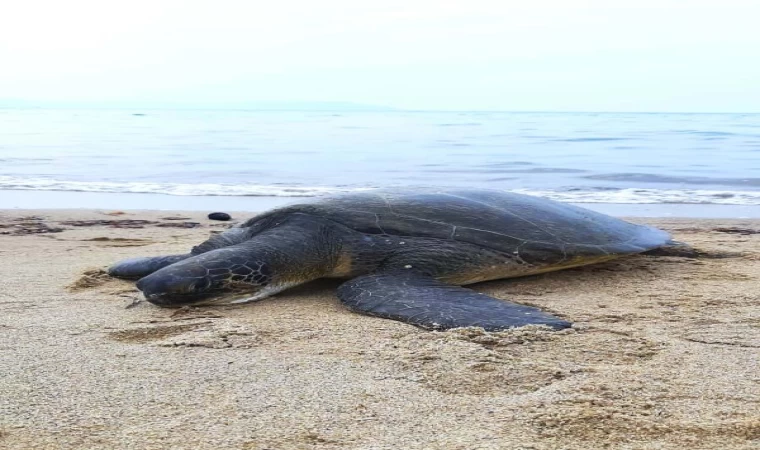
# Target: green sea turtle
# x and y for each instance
(406, 254)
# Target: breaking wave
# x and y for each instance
(572, 195)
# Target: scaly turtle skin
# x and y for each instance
(405, 254)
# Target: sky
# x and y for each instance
(512, 55)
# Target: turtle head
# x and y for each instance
(210, 277)
(292, 252)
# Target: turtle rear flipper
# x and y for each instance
(428, 303)
(135, 268)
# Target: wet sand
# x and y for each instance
(665, 353)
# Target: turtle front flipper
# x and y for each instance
(135, 268)
(428, 303)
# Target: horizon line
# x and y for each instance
(362, 109)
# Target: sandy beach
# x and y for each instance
(664, 354)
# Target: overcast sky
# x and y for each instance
(557, 55)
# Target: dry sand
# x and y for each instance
(665, 354)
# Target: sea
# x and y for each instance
(694, 165)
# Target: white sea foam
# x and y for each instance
(652, 196)
(206, 189)
(627, 196)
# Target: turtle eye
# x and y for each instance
(201, 284)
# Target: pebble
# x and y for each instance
(219, 216)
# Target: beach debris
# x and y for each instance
(28, 225)
(115, 213)
(219, 216)
(175, 218)
(736, 230)
(130, 223)
(29, 218)
(121, 223)
(107, 239)
(119, 242)
(179, 225)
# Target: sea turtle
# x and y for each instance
(405, 253)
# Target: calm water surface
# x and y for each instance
(580, 157)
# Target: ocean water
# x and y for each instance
(575, 157)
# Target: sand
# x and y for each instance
(665, 354)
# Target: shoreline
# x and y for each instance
(60, 200)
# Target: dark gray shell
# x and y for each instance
(541, 230)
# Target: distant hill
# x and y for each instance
(253, 106)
